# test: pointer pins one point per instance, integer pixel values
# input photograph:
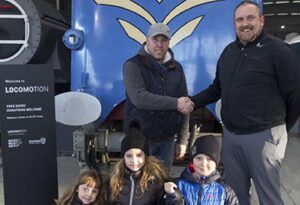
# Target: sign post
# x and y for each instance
(28, 134)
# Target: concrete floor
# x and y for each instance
(68, 170)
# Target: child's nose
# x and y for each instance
(204, 161)
(134, 159)
(89, 193)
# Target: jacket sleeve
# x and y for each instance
(139, 96)
(231, 198)
(287, 68)
(170, 199)
(210, 94)
(182, 136)
(173, 199)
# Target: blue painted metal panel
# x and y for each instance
(111, 35)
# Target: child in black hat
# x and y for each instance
(200, 182)
(137, 177)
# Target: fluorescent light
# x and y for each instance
(269, 14)
(282, 2)
(268, 3)
(283, 14)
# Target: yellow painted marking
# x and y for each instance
(184, 6)
(185, 31)
(132, 31)
(130, 6)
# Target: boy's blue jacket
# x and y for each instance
(208, 191)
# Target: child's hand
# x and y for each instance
(170, 187)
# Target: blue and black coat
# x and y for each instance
(204, 191)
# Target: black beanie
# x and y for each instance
(134, 139)
(208, 145)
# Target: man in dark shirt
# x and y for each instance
(258, 81)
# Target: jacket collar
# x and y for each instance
(136, 174)
(256, 42)
(168, 55)
(77, 201)
(148, 60)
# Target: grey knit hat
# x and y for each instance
(134, 139)
(208, 145)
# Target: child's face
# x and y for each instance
(134, 159)
(203, 165)
(87, 194)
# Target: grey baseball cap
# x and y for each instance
(159, 29)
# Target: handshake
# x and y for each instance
(185, 105)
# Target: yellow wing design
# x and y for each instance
(184, 6)
(185, 31)
(130, 6)
(132, 31)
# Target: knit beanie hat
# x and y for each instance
(134, 139)
(208, 145)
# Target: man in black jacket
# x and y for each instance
(156, 95)
(258, 80)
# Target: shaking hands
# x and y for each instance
(185, 105)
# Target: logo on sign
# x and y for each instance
(42, 140)
(13, 143)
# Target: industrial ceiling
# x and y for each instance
(282, 17)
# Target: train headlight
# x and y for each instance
(73, 39)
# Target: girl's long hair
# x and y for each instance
(152, 170)
(89, 177)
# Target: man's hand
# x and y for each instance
(180, 151)
(185, 105)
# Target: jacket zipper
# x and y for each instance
(201, 182)
(131, 191)
(163, 79)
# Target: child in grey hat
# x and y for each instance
(200, 182)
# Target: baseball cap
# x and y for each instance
(159, 29)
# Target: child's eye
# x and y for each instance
(128, 155)
(209, 159)
(95, 191)
(199, 157)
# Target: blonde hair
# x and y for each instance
(152, 170)
(89, 177)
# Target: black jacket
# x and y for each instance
(259, 85)
(77, 201)
(131, 194)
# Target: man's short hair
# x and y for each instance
(251, 3)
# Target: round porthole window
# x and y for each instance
(14, 31)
